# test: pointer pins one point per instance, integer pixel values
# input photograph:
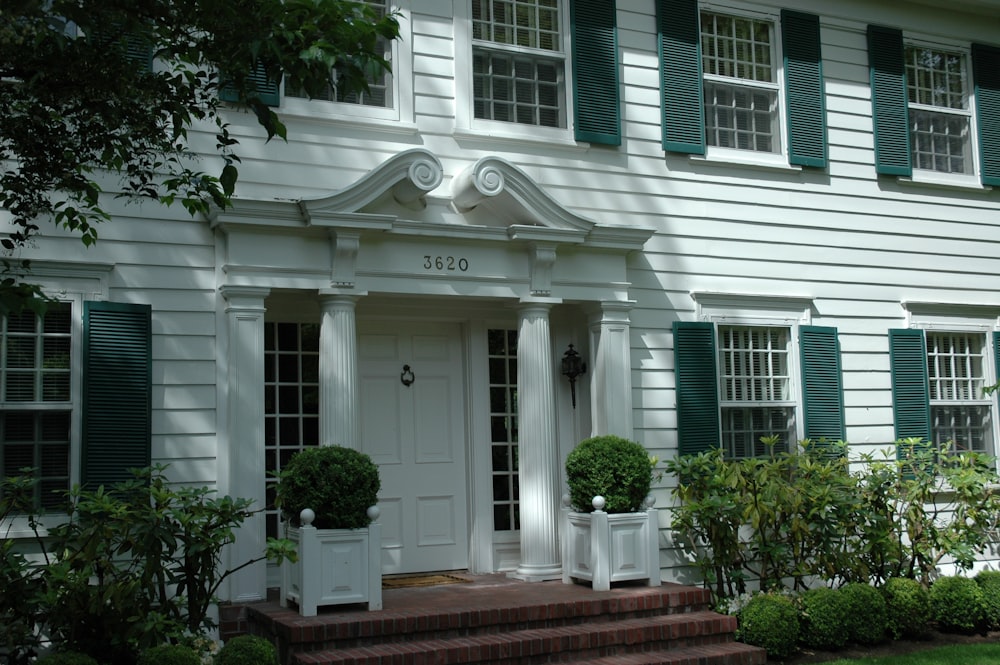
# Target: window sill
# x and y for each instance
(329, 112)
(521, 134)
(944, 181)
(745, 159)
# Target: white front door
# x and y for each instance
(416, 435)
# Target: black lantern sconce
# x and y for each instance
(573, 366)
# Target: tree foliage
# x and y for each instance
(101, 94)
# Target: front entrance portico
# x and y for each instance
(383, 252)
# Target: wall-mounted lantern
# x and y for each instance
(573, 366)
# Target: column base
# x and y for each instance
(541, 573)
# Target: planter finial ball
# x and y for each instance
(566, 501)
(373, 513)
(307, 516)
(599, 502)
(650, 501)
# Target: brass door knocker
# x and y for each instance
(407, 376)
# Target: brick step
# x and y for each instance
(542, 645)
(722, 653)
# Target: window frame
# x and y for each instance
(465, 121)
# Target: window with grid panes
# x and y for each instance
(502, 352)
(939, 110)
(740, 83)
(36, 401)
(755, 388)
(379, 91)
(518, 62)
(960, 411)
(291, 401)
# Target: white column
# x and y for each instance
(538, 453)
(244, 448)
(611, 382)
(338, 373)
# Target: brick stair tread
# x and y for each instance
(722, 653)
(615, 633)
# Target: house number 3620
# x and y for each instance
(446, 263)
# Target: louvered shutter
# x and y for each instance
(595, 72)
(890, 115)
(822, 386)
(267, 91)
(680, 76)
(697, 387)
(986, 74)
(910, 394)
(116, 391)
(805, 102)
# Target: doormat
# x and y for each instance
(407, 581)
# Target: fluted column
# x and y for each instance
(538, 454)
(243, 449)
(611, 383)
(338, 372)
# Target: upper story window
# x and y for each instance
(940, 117)
(740, 83)
(519, 62)
(750, 82)
(379, 93)
(935, 109)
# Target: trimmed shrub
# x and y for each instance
(989, 582)
(338, 484)
(866, 613)
(957, 604)
(907, 608)
(169, 654)
(247, 650)
(66, 658)
(824, 615)
(612, 467)
(769, 621)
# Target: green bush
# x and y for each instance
(338, 484)
(612, 467)
(957, 604)
(989, 582)
(66, 658)
(769, 621)
(907, 608)
(866, 613)
(169, 654)
(247, 650)
(824, 615)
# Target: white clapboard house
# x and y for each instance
(747, 217)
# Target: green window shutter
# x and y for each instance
(822, 385)
(139, 52)
(695, 363)
(680, 76)
(996, 354)
(910, 393)
(267, 91)
(805, 101)
(889, 111)
(595, 72)
(116, 391)
(986, 75)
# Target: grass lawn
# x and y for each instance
(955, 654)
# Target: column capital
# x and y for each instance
(244, 297)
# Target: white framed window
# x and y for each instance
(940, 109)
(961, 413)
(756, 397)
(741, 72)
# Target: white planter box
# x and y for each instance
(603, 548)
(334, 567)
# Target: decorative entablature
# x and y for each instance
(498, 234)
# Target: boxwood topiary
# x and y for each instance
(824, 614)
(247, 650)
(66, 658)
(769, 621)
(989, 582)
(957, 604)
(866, 613)
(169, 654)
(907, 608)
(339, 484)
(612, 467)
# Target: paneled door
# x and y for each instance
(412, 405)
